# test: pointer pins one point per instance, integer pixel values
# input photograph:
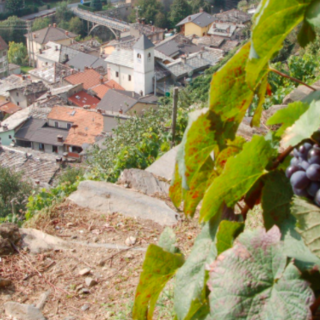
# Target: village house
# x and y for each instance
(196, 24)
(4, 67)
(83, 100)
(101, 89)
(126, 102)
(133, 68)
(12, 82)
(66, 130)
(8, 108)
(27, 94)
(9, 126)
(37, 40)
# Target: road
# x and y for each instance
(45, 13)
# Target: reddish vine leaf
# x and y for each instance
(239, 175)
(304, 127)
(308, 218)
(227, 232)
(191, 277)
(266, 286)
(158, 268)
(175, 190)
(272, 24)
(288, 116)
(276, 199)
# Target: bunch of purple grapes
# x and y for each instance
(304, 171)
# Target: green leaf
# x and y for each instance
(306, 34)
(158, 268)
(253, 280)
(313, 14)
(175, 190)
(276, 197)
(227, 232)
(287, 116)
(272, 24)
(308, 218)
(239, 175)
(261, 96)
(167, 241)
(304, 127)
(191, 277)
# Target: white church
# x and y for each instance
(133, 68)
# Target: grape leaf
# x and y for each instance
(306, 34)
(191, 277)
(239, 175)
(276, 197)
(287, 116)
(308, 218)
(272, 24)
(304, 127)
(265, 285)
(313, 14)
(227, 232)
(175, 190)
(167, 241)
(255, 122)
(158, 268)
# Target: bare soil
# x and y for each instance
(116, 271)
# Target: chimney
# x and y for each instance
(40, 51)
(37, 182)
(59, 138)
(99, 110)
(152, 28)
(67, 33)
(54, 25)
(143, 21)
(101, 79)
(34, 36)
(201, 10)
(189, 18)
(184, 59)
(121, 111)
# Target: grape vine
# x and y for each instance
(233, 272)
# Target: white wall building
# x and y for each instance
(133, 69)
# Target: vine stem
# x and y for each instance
(314, 308)
(291, 78)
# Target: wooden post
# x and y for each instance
(174, 114)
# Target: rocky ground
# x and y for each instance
(92, 274)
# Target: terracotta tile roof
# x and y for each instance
(102, 89)
(88, 77)
(82, 98)
(10, 108)
(87, 124)
(3, 44)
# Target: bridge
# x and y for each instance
(101, 20)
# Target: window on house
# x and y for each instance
(17, 94)
(56, 124)
(55, 149)
(41, 146)
(69, 126)
(117, 74)
(129, 77)
(139, 56)
(10, 137)
(18, 103)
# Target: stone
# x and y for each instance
(164, 166)
(131, 241)
(22, 311)
(85, 307)
(90, 282)
(84, 271)
(107, 197)
(9, 233)
(101, 263)
(70, 318)
(144, 182)
(74, 237)
(37, 241)
(85, 291)
(5, 282)
(299, 93)
(43, 299)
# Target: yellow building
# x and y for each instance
(37, 40)
(197, 24)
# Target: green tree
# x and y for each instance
(14, 191)
(13, 29)
(14, 5)
(160, 20)
(63, 13)
(179, 10)
(148, 10)
(17, 53)
(96, 4)
(197, 4)
(40, 23)
(75, 25)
